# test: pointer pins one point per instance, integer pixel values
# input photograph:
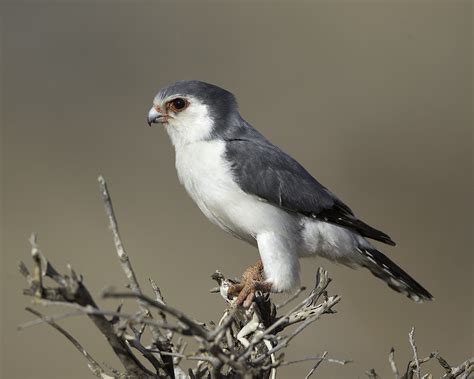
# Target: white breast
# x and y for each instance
(207, 177)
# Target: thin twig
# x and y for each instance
(316, 365)
(306, 359)
(192, 325)
(393, 365)
(128, 269)
(284, 343)
(81, 310)
(466, 368)
(93, 365)
(322, 281)
(411, 337)
(122, 254)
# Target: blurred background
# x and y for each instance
(373, 98)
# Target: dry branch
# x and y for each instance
(245, 343)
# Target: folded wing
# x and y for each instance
(264, 170)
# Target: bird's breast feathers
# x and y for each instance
(207, 177)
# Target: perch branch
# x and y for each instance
(245, 343)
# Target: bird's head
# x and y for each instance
(192, 111)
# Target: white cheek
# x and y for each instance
(191, 125)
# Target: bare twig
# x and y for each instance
(123, 256)
(284, 343)
(307, 308)
(411, 336)
(393, 365)
(317, 358)
(316, 365)
(95, 367)
(127, 268)
(192, 325)
(88, 310)
(444, 364)
(466, 369)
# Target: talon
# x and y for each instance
(252, 281)
(234, 290)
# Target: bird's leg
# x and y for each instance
(252, 281)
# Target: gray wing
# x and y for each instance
(264, 170)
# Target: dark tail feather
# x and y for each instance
(367, 231)
(397, 279)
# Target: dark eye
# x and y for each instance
(178, 104)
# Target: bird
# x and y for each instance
(255, 191)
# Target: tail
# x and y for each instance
(387, 270)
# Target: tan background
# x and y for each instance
(375, 99)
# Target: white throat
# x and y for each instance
(193, 125)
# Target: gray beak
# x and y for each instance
(154, 117)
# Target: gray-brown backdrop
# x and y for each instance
(375, 99)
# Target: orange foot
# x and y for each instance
(252, 281)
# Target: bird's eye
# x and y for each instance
(178, 104)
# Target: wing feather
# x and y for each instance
(267, 172)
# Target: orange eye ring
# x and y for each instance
(177, 105)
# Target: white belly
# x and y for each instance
(207, 178)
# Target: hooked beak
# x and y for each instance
(155, 117)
